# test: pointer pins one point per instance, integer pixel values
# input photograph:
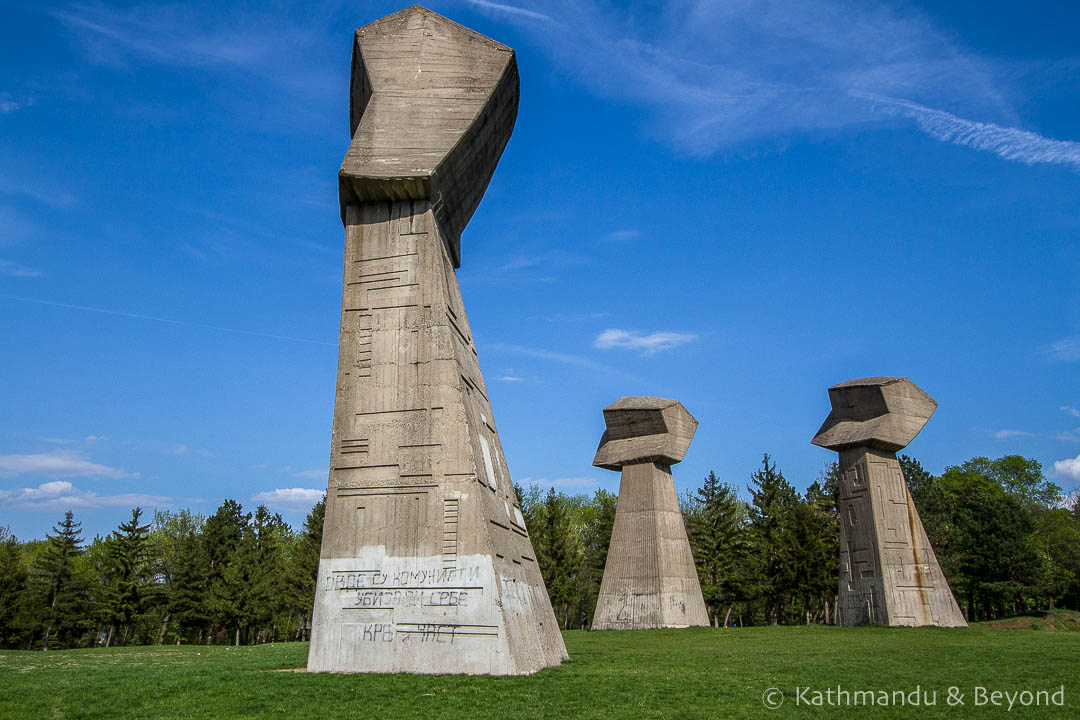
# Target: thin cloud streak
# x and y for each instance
(11, 269)
(1006, 434)
(720, 74)
(1005, 142)
(565, 359)
(511, 9)
(167, 321)
(1065, 350)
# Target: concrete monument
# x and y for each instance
(426, 564)
(649, 579)
(889, 574)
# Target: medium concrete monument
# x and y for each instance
(889, 574)
(649, 580)
(426, 564)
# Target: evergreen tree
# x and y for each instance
(773, 500)
(179, 563)
(131, 588)
(13, 577)
(188, 599)
(598, 522)
(226, 583)
(815, 551)
(65, 610)
(262, 553)
(304, 566)
(717, 527)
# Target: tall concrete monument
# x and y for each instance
(426, 564)
(889, 574)
(649, 579)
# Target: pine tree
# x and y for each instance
(65, 607)
(773, 500)
(189, 598)
(13, 577)
(303, 568)
(597, 521)
(226, 583)
(717, 533)
(131, 590)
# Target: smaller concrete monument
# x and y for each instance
(889, 574)
(649, 579)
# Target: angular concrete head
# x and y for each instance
(432, 107)
(644, 429)
(880, 412)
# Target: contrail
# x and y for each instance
(1009, 143)
(168, 321)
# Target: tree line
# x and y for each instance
(1006, 538)
(1007, 541)
(232, 577)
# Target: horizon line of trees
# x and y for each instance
(229, 578)
(1007, 541)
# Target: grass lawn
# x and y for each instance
(701, 672)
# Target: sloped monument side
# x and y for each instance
(649, 580)
(889, 574)
(426, 563)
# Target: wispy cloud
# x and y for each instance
(718, 74)
(290, 498)
(1006, 142)
(566, 359)
(281, 43)
(1006, 434)
(1066, 350)
(621, 236)
(62, 495)
(648, 344)
(8, 104)
(510, 9)
(1068, 468)
(53, 196)
(1069, 435)
(1070, 410)
(171, 34)
(510, 379)
(168, 321)
(58, 463)
(12, 269)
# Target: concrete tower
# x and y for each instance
(889, 574)
(426, 563)
(649, 579)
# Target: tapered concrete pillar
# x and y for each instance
(649, 580)
(426, 565)
(889, 574)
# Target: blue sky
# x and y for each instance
(735, 204)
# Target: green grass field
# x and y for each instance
(696, 673)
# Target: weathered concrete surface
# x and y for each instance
(889, 574)
(649, 579)
(433, 104)
(426, 563)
